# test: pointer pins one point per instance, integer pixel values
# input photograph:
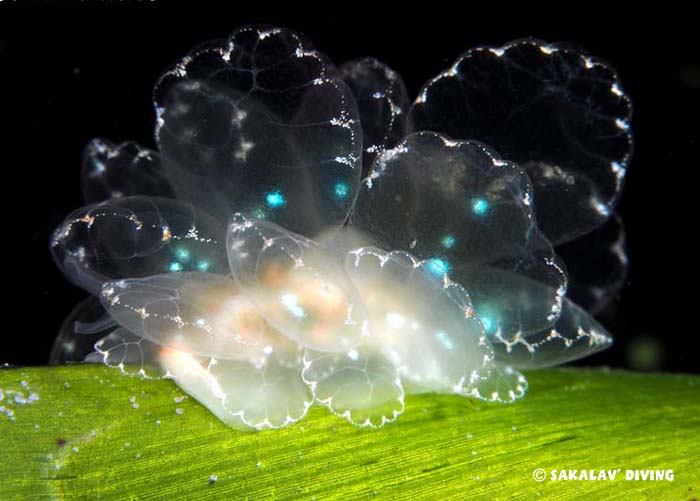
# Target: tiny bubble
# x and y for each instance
(66, 385)
(470, 436)
(258, 464)
(127, 445)
(514, 428)
(158, 422)
(135, 405)
(36, 426)
(132, 399)
(213, 478)
(137, 455)
(24, 384)
(178, 400)
(473, 453)
(179, 411)
(75, 450)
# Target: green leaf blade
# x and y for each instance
(94, 432)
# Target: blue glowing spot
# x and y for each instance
(290, 302)
(275, 199)
(175, 266)
(488, 323)
(438, 266)
(202, 265)
(449, 241)
(341, 190)
(182, 254)
(445, 340)
(480, 206)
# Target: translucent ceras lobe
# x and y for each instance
(290, 244)
(262, 124)
(559, 112)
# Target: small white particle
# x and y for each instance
(179, 411)
(213, 478)
(177, 400)
(135, 405)
(473, 453)
(158, 422)
(75, 450)
(127, 445)
(470, 436)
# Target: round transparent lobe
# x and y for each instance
(559, 113)
(362, 386)
(423, 322)
(574, 335)
(121, 170)
(82, 328)
(597, 265)
(261, 124)
(137, 237)
(131, 354)
(199, 313)
(241, 394)
(299, 287)
(498, 383)
(469, 214)
(383, 103)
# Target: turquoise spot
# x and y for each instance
(438, 266)
(182, 254)
(488, 324)
(175, 266)
(341, 190)
(202, 265)
(445, 340)
(275, 199)
(449, 241)
(480, 206)
(290, 302)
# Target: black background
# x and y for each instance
(71, 71)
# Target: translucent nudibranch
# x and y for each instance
(304, 235)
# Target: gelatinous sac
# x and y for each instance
(304, 235)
